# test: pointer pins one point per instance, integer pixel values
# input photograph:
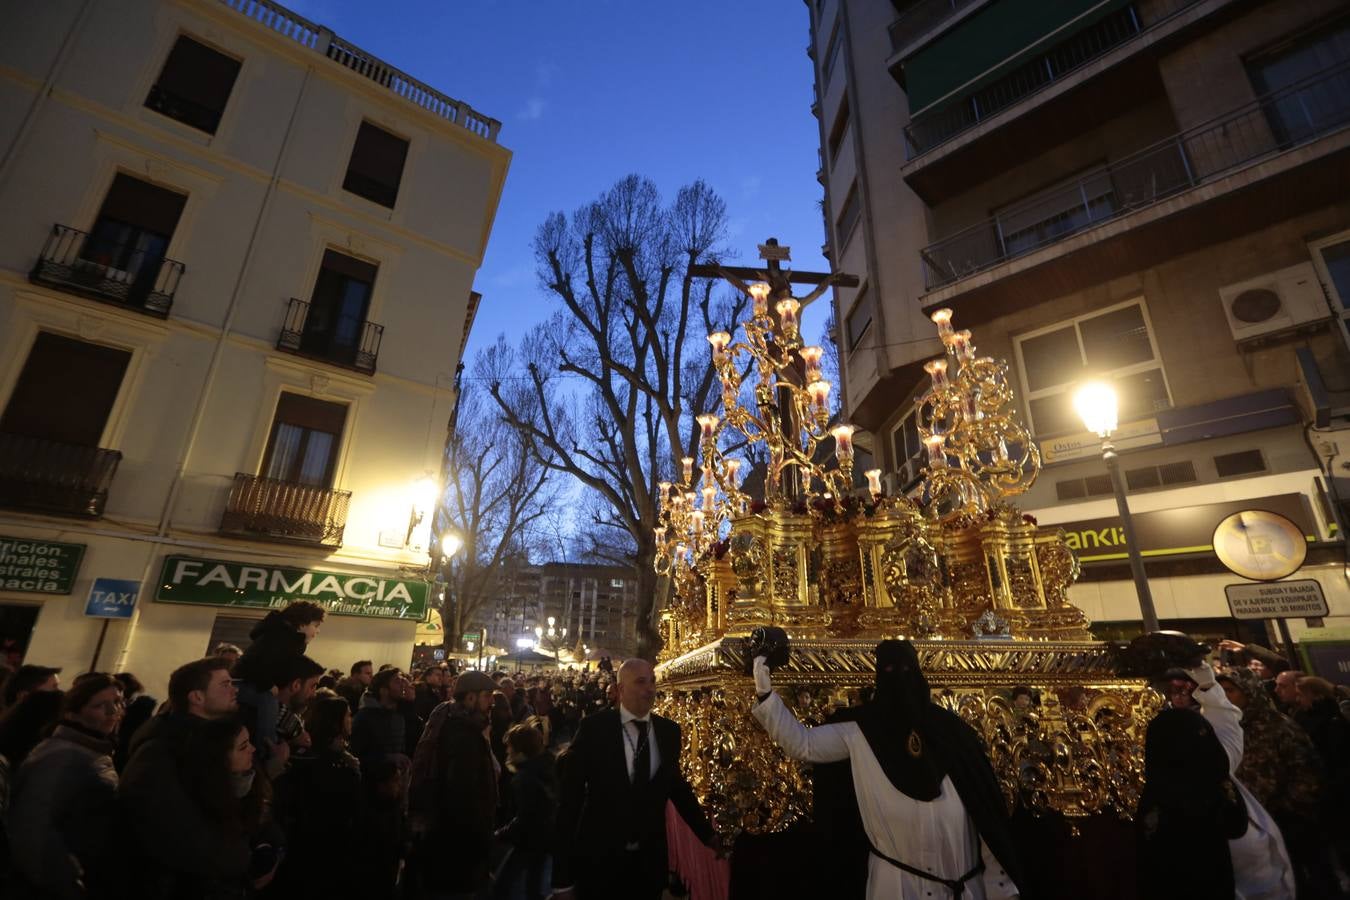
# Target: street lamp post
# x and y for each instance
(1097, 405)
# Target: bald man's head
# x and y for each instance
(637, 687)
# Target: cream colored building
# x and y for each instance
(236, 269)
(1148, 191)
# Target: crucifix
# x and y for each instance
(780, 283)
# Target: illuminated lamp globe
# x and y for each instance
(1097, 405)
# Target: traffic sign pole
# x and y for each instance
(98, 648)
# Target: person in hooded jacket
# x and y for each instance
(63, 810)
(931, 808)
(322, 803)
(1281, 768)
(280, 637)
(525, 874)
(1192, 799)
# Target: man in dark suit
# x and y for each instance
(617, 775)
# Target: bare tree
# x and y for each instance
(498, 497)
(629, 331)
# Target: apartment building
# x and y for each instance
(1152, 192)
(236, 272)
(583, 603)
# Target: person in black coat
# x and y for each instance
(534, 792)
(320, 806)
(623, 767)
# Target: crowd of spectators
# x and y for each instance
(261, 774)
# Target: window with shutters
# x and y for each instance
(376, 166)
(303, 445)
(848, 217)
(66, 390)
(337, 314)
(194, 85)
(1115, 345)
(134, 227)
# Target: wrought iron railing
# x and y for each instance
(54, 477)
(166, 100)
(1272, 124)
(285, 511)
(113, 271)
(338, 339)
(921, 17)
(321, 40)
(931, 129)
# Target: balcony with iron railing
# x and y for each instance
(45, 476)
(1058, 63)
(920, 18)
(318, 333)
(117, 272)
(321, 40)
(284, 511)
(1269, 126)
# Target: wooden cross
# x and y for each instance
(778, 278)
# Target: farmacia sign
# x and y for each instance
(214, 582)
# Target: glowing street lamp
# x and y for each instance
(1098, 406)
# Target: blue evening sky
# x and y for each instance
(590, 90)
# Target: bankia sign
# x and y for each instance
(216, 582)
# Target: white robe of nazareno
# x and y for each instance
(1261, 868)
(936, 836)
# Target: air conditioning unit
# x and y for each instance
(1279, 301)
(898, 483)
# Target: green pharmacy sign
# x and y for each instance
(214, 582)
(38, 567)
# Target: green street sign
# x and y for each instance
(470, 636)
(38, 567)
(214, 582)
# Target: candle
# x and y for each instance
(688, 463)
(970, 407)
(942, 318)
(811, 356)
(937, 370)
(937, 455)
(709, 497)
(873, 482)
(697, 516)
(708, 422)
(962, 347)
(660, 533)
(719, 340)
(1001, 451)
(689, 500)
(819, 392)
(759, 292)
(733, 471)
(663, 491)
(787, 315)
(843, 442)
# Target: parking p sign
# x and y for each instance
(112, 598)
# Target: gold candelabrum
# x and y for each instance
(977, 585)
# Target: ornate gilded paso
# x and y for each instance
(956, 567)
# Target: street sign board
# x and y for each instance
(1277, 599)
(112, 598)
(216, 582)
(469, 636)
(38, 567)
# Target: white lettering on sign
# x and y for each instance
(1277, 599)
(115, 597)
